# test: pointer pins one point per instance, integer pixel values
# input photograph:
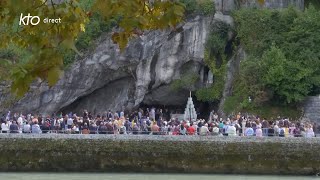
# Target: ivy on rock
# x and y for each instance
(282, 66)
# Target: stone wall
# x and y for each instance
(189, 154)
(312, 108)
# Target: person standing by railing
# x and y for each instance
(36, 128)
(276, 129)
(45, 127)
(5, 127)
(110, 128)
(249, 131)
(20, 121)
(190, 129)
(26, 128)
(183, 130)
(265, 127)
(282, 131)
(93, 128)
(204, 131)
(231, 130)
(56, 125)
(309, 131)
(259, 131)
(297, 132)
(155, 128)
(76, 129)
(116, 127)
(164, 128)
(123, 129)
(271, 130)
(144, 127)
(14, 127)
(291, 130)
(69, 122)
(135, 128)
(102, 128)
(215, 130)
(226, 127)
(85, 129)
(243, 125)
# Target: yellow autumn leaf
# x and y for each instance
(82, 27)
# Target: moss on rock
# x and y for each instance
(157, 154)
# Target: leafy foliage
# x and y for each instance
(314, 3)
(138, 15)
(199, 7)
(217, 40)
(85, 41)
(41, 41)
(215, 59)
(46, 42)
(214, 91)
(186, 82)
(283, 66)
(267, 111)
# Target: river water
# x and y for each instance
(132, 176)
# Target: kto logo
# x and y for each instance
(25, 20)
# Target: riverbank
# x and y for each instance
(140, 176)
(170, 154)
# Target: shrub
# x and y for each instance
(199, 7)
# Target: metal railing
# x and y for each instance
(131, 132)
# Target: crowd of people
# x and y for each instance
(155, 122)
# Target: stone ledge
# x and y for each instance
(165, 154)
(161, 138)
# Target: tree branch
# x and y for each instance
(41, 4)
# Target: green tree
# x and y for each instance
(284, 51)
(288, 80)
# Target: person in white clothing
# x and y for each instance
(309, 131)
(70, 123)
(231, 130)
(4, 127)
(204, 131)
(259, 131)
(26, 128)
(20, 121)
(215, 130)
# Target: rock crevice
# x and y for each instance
(107, 79)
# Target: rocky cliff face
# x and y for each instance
(312, 108)
(107, 79)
